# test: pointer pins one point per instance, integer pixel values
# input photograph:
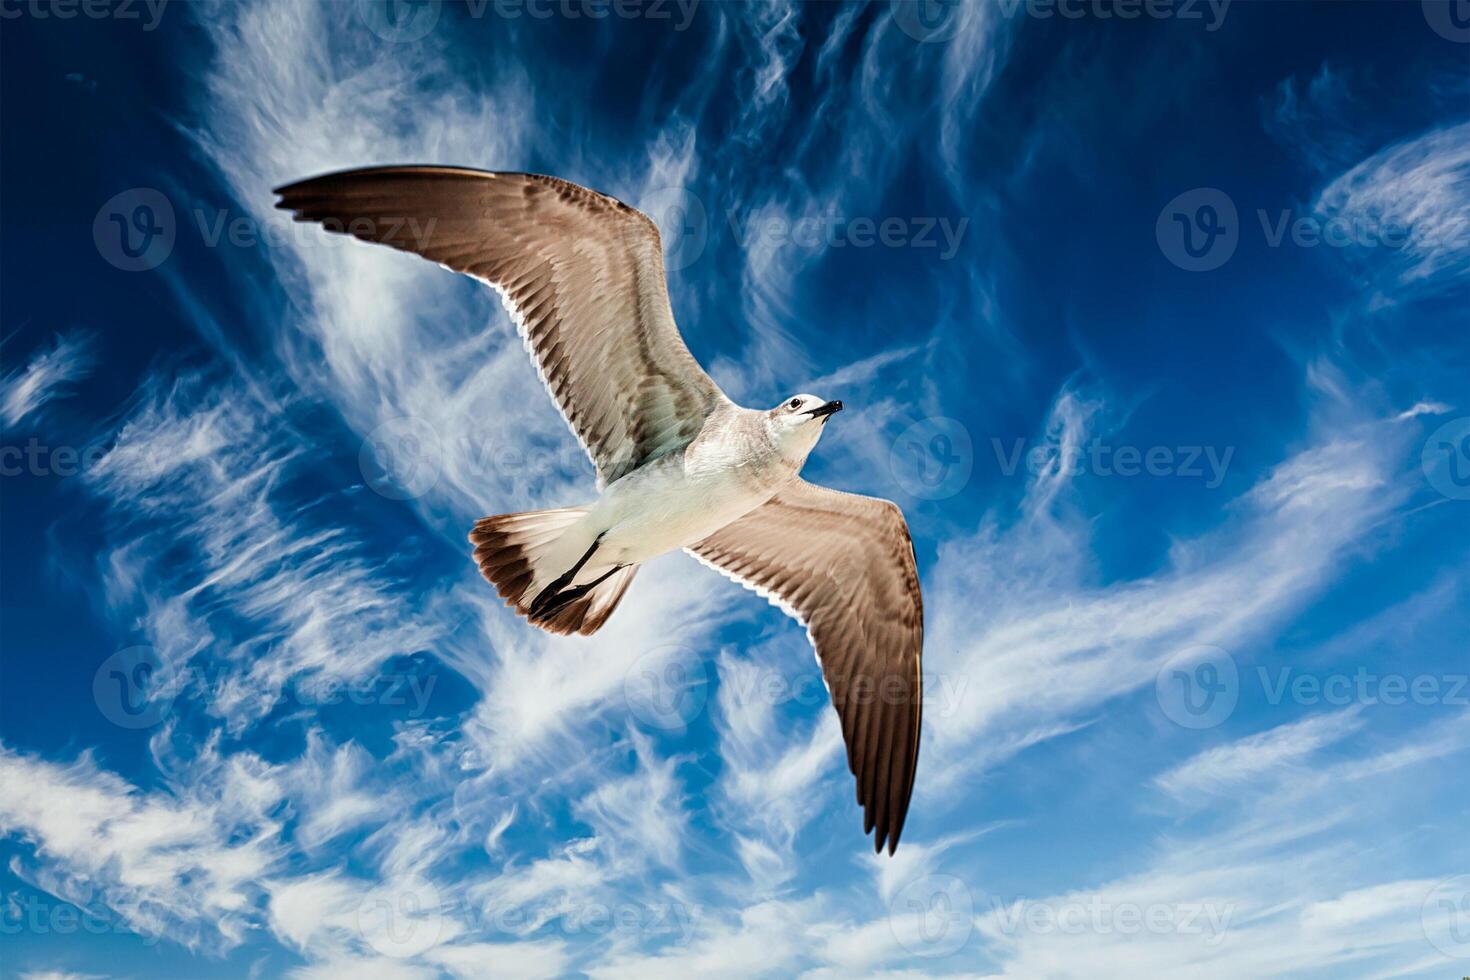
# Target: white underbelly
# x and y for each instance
(664, 510)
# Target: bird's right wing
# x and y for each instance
(843, 566)
(583, 277)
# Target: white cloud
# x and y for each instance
(762, 940)
(641, 816)
(1257, 757)
(1037, 647)
(189, 869)
(771, 783)
(47, 377)
(271, 594)
(332, 785)
(1409, 206)
(513, 961)
(1214, 901)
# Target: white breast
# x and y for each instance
(682, 499)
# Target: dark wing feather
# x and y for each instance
(843, 566)
(582, 274)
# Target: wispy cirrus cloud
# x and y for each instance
(1014, 608)
(1256, 757)
(1413, 199)
(188, 868)
(48, 376)
(641, 816)
(272, 594)
(1211, 899)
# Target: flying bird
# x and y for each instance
(679, 465)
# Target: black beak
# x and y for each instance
(822, 411)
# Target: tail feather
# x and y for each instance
(514, 551)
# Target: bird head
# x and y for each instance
(797, 422)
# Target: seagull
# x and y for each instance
(679, 465)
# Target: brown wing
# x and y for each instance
(581, 273)
(843, 566)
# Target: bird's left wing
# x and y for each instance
(843, 566)
(582, 274)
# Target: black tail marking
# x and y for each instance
(548, 595)
(562, 599)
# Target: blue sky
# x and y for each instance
(1151, 318)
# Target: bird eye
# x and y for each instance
(795, 404)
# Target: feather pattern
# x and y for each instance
(581, 273)
(843, 566)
